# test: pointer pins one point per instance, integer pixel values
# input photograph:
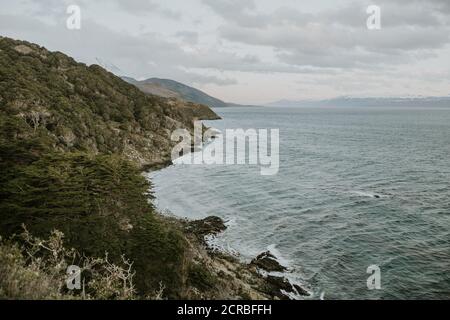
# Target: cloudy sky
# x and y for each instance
(253, 52)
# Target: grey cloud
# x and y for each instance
(441, 5)
(302, 42)
(243, 38)
(144, 7)
(241, 12)
(134, 7)
(394, 14)
(339, 37)
(189, 37)
(142, 57)
(244, 13)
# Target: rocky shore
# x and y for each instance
(229, 278)
(234, 279)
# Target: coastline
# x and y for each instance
(83, 164)
(261, 279)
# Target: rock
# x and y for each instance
(268, 262)
(208, 226)
(275, 286)
(300, 290)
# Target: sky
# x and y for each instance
(252, 52)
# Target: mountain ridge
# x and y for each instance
(169, 88)
(173, 89)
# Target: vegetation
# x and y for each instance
(100, 204)
(37, 270)
(73, 140)
(81, 108)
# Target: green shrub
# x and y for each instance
(101, 204)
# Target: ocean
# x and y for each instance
(356, 187)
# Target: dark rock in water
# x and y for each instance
(300, 290)
(268, 262)
(208, 226)
(275, 286)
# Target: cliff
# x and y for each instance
(73, 142)
(86, 108)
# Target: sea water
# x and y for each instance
(356, 187)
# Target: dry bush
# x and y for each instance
(37, 270)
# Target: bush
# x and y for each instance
(101, 204)
(37, 270)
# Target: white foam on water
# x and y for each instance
(369, 194)
(293, 276)
(274, 251)
(216, 244)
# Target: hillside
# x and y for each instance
(173, 89)
(74, 140)
(79, 107)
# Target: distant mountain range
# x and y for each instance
(367, 102)
(173, 89)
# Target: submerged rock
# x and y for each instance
(268, 262)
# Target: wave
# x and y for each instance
(369, 194)
(277, 254)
